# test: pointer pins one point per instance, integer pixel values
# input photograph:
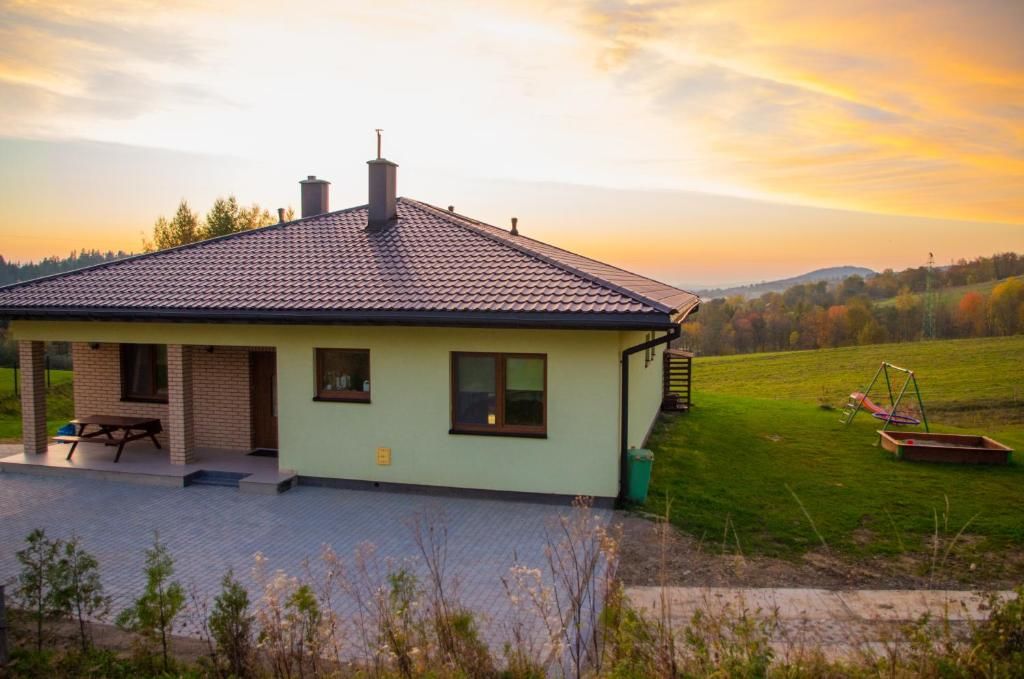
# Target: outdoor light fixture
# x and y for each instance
(209, 349)
(94, 345)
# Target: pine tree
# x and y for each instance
(152, 615)
(78, 591)
(182, 229)
(35, 591)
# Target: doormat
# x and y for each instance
(264, 452)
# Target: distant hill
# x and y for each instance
(835, 273)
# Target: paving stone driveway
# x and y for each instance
(210, 529)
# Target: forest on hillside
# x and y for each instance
(14, 272)
(977, 298)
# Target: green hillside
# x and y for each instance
(952, 295)
(966, 382)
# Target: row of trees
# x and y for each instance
(225, 217)
(890, 283)
(186, 226)
(889, 307)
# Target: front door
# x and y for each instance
(263, 399)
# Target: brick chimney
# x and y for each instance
(315, 196)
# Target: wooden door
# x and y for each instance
(263, 399)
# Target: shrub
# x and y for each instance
(998, 643)
(231, 626)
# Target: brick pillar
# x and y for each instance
(33, 396)
(179, 404)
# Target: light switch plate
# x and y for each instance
(384, 456)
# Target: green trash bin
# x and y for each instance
(640, 461)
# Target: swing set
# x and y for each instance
(893, 416)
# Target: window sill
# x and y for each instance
(512, 434)
(340, 399)
(127, 399)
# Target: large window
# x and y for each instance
(343, 375)
(499, 394)
(144, 372)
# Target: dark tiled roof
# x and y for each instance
(430, 265)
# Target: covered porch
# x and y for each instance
(143, 463)
(216, 407)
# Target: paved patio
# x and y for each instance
(210, 529)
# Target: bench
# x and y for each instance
(133, 428)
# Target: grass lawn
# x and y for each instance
(59, 404)
(758, 439)
(973, 382)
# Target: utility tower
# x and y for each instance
(929, 299)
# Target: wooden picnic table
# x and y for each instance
(117, 430)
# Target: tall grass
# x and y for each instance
(367, 616)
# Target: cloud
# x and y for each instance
(73, 63)
(911, 109)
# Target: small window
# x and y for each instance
(144, 372)
(343, 375)
(499, 394)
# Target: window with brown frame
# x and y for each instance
(144, 373)
(343, 375)
(502, 394)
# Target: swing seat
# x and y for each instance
(897, 418)
(880, 413)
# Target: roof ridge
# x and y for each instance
(176, 248)
(470, 223)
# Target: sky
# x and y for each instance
(702, 143)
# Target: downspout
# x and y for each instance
(674, 333)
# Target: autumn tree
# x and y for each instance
(971, 315)
(909, 315)
(1005, 306)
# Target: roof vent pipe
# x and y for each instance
(315, 196)
(280, 215)
(515, 221)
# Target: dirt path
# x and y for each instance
(837, 623)
(687, 562)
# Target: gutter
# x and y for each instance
(466, 319)
(674, 332)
